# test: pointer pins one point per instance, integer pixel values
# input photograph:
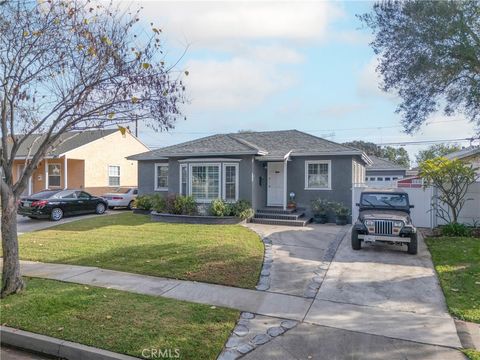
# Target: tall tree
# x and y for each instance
(398, 156)
(429, 54)
(436, 150)
(72, 65)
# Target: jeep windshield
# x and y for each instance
(384, 200)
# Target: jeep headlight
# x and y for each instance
(398, 224)
(369, 222)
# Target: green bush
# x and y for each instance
(340, 210)
(218, 207)
(241, 209)
(158, 203)
(144, 202)
(456, 229)
(184, 205)
(321, 207)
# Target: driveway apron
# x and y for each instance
(376, 303)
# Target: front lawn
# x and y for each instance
(118, 321)
(457, 261)
(222, 254)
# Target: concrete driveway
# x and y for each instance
(376, 303)
(25, 224)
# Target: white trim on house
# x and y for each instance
(180, 177)
(190, 180)
(329, 163)
(224, 184)
(156, 177)
(208, 160)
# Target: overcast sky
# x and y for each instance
(281, 65)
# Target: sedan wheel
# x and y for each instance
(130, 205)
(56, 214)
(100, 209)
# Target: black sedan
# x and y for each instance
(54, 204)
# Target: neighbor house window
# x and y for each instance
(161, 177)
(318, 175)
(205, 181)
(183, 179)
(54, 172)
(230, 182)
(113, 175)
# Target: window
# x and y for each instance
(183, 179)
(379, 178)
(318, 175)
(230, 182)
(113, 175)
(82, 195)
(387, 179)
(54, 174)
(161, 177)
(205, 181)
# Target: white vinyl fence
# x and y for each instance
(422, 214)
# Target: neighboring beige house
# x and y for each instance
(93, 160)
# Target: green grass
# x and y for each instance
(118, 321)
(472, 354)
(457, 261)
(222, 254)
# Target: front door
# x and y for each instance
(275, 192)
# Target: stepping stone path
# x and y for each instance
(252, 331)
(264, 282)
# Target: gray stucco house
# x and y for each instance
(383, 172)
(261, 167)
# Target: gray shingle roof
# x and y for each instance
(67, 141)
(464, 153)
(383, 164)
(266, 145)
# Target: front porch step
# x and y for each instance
(302, 221)
(279, 216)
(275, 210)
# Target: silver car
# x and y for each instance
(121, 197)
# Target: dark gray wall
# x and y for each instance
(341, 181)
(146, 175)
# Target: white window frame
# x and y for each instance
(329, 163)
(224, 178)
(156, 177)
(119, 175)
(60, 175)
(190, 180)
(180, 176)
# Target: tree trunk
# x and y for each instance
(11, 279)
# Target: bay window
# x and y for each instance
(230, 182)
(205, 181)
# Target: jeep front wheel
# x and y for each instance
(356, 242)
(413, 245)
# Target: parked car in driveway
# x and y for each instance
(55, 204)
(121, 197)
(384, 217)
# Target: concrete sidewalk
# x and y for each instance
(258, 302)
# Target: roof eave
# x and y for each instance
(171, 155)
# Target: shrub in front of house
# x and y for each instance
(241, 209)
(180, 205)
(341, 212)
(144, 202)
(320, 210)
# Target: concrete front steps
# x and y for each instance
(279, 216)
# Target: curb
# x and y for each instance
(55, 347)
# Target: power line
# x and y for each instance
(423, 142)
